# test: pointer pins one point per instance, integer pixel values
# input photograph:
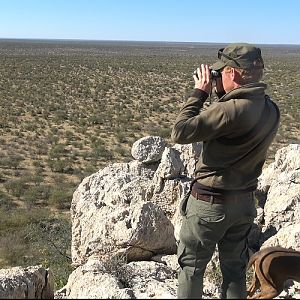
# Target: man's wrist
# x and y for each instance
(200, 94)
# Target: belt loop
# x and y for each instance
(211, 199)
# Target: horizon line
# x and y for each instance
(141, 41)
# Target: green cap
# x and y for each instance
(242, 56)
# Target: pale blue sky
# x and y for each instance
(256, 21)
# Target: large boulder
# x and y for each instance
(33, 282)
(282, 207)
(278, 222)
(111, 216)
(148, 149)
(287, 159)
(287, 237)
(132, 208)
(118, 280)
(280, 182)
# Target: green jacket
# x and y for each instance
(222, 166)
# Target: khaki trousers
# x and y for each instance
(206, 225)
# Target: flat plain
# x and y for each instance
(69, 108)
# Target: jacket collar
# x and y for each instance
(247, 91)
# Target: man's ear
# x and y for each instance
(235, 76)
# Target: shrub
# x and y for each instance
(36, 237)
(61, 165)
(60, 198)
(11, 162)
(16, 187)
(6, 202)
(31, 196)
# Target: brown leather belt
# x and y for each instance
(207, 198)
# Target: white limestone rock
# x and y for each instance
(170, 165)
(189, 154)
(287, 237)
(136, 280)
(148, 149)
(287, 159)
(33, 282)
(282, 206)
(111, 214)
(90, 281)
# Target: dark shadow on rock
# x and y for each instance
(261, 198)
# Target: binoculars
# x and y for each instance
(214, 73)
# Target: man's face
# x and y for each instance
(227, 79)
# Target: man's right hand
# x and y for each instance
(202, 79)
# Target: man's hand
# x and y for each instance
(202, 79)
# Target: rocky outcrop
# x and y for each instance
(132, 209)
(26, 283)
(280, 183)
(111, 216)
(126, 222)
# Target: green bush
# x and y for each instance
(12, 161)
(61, 165)
(31, 196)
(36, 237)
(60, 198)
(16, 187)
(6, 202)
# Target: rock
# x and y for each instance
(189, 154)
(151, 280)
(90, 281)
(170, 165)
(130, 213)
(152, 230)
(136, 280)
(287, 159)
(280, 221)
(148, 149)
(33, 282)
(140, 169)
(168, 195)
(101, 201)
(111, 214)
(287, 237)
(170, 261)
(282, 206)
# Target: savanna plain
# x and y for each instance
(70, 108)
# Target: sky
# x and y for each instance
(211, 21)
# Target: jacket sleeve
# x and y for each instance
(193, 126)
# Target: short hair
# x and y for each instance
(248, 75)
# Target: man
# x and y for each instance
(236, 131)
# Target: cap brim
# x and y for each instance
(218, 65)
